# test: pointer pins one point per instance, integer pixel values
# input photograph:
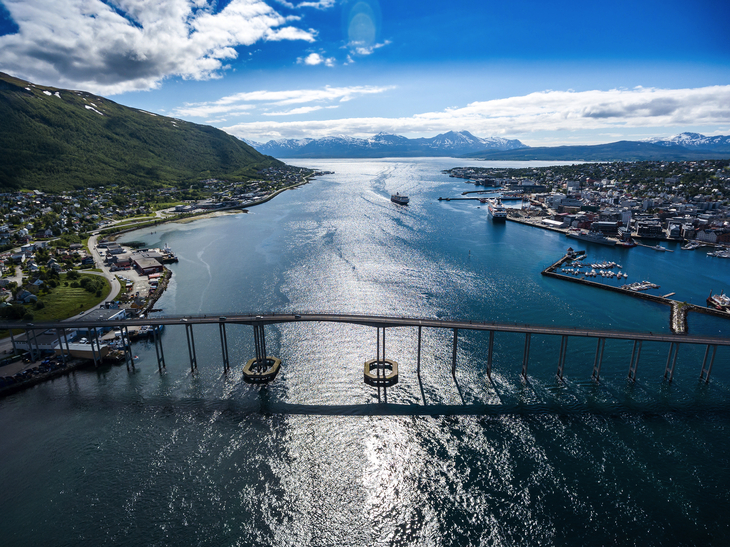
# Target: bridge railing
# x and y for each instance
(259, 320)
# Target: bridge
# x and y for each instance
(260, 367)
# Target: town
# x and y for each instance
(49, 241)
(613, 203)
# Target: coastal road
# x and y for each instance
(99, 263)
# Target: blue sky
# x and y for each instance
(547, 73)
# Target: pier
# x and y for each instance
(381, 371)
(678, 316)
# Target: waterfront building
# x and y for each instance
(650, 229)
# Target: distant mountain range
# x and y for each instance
(685, 146)
(57, 139)
(453, 143)
(682, 147)
(695, 141)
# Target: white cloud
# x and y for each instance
(361, 48)
(314, 59)
(243, 101)
(320, 4)
(134, 44)
(300, 110)
(546, 111)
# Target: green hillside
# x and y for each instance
(55, 139)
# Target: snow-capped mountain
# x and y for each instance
(694, 141)
(453, 143)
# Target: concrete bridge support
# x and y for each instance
(191, 347)
(633, 365)
(127, 345)
(705, 372)
(561, 358)
(158, 348)
(526, 355)
(671, 361)
(224, 346)
(598, 360)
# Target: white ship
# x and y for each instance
(497, 210)
(399, 199)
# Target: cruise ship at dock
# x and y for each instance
(497, 210)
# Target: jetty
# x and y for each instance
(678, 317)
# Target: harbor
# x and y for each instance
(307, 456)
(678, 310)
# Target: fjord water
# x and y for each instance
(107, 457)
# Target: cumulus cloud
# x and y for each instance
(363, 48)
(314, 59)
(321, 4)
(112, 47)
(234, 104)
(521, 116)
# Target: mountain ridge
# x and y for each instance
(660, 150)
(684, 146)
(58, 139)
(452, 143)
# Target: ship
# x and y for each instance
(591, 237)
(497, 210)
(719, 301)
(399, 199)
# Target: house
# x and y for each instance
(26, 296)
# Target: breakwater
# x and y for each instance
(679, 310)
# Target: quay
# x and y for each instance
(379, 371)
(495, 190)
(536, 223)
(678, 317)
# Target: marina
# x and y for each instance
(678, 313)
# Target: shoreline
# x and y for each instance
(192, 217)
(233, 210)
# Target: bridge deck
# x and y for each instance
(373, 321)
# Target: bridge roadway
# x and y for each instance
(373, 321)
(258, 322)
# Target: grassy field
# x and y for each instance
(63, 302)
(66, 301)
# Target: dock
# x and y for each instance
(536, 223)
(678, 317)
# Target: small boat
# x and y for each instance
(399, 199)
(720, 253)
